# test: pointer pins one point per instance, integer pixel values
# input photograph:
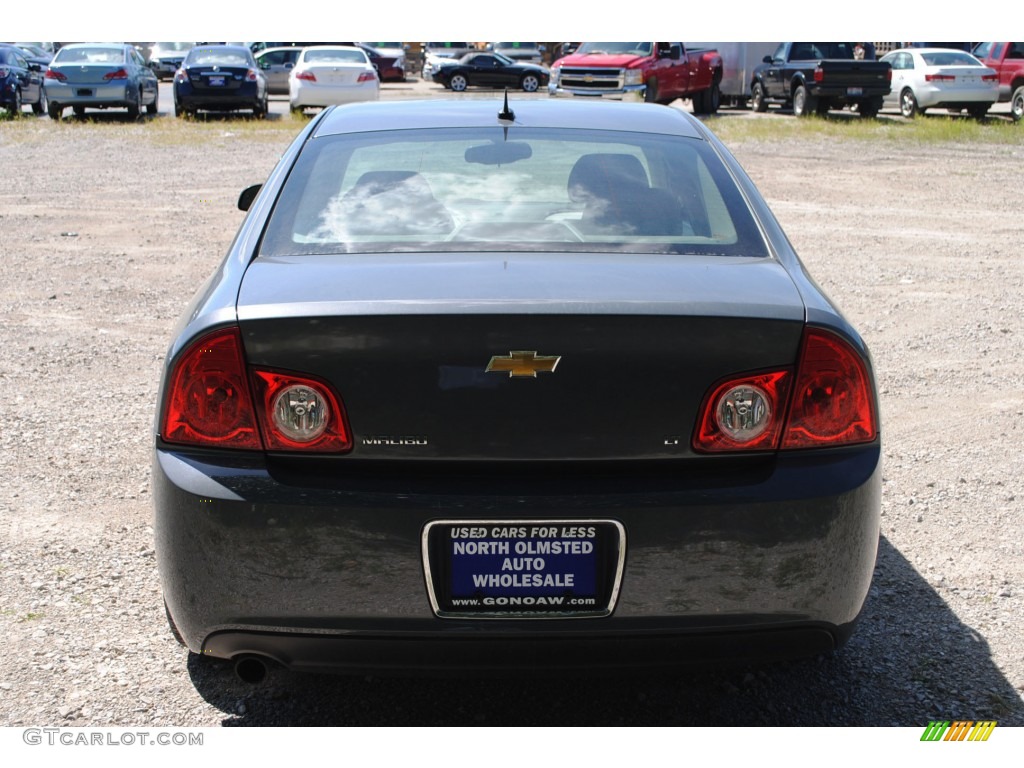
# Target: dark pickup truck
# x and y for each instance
(816, 77)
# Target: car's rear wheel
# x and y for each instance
(261, 109)
(135, 108)
(16, 103)
(54, 111)
(758, 101)
(40, 106)
(174, 629)
(79, 111)
(530, 83)
(803, 103)
(908, 104)
(870, 108)
(1017, 104)
(458, 83)
(152, 109)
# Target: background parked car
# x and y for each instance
(165, 58)
(531, 52)
(220, 78)
(1007, 59)
(436, 53)
(100, 76)
(34, 52)
(21, 82)
(394, 50)
(326, 75)
(276, 65)
(940, 77)
(491, 70)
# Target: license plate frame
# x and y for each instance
(523, 568)
(216, 81)
(855, 91)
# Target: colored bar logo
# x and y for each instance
(959, 730)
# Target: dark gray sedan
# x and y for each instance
(512, 386)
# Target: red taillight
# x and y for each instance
(117, 74)
(366, 77)
(299, 413)
(828, 402)
(209, 403)
(208, 400)
(819, 74)
(305, 76)
(4, 72)
(993, 78)
(939, 78)
(832, 400)
(55, 74)
(181, 76)
(251, 76)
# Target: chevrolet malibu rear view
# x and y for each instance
(490, 385)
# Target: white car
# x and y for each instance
(940, 77)
(324, 75)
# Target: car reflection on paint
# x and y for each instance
(512, 385)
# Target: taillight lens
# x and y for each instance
(117, 74)
(939, 78)
(309, 76)
(251, 75)
(208, 400)
(181, 76)
(993, 78)
(209, 403)
(833, 402)
(819, 74)
(366, 77)
(300, 413)
(744, 414)
(55, 74)
(827, 402)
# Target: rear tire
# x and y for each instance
(135, 110)
(153, 108)
(54, 111)
(79, 111)
(803, 103)
(869, 109)
(458, 83)
(530, 83)
(15, 108)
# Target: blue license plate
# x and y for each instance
(214, 81)
(526, 569)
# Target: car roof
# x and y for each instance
(536, 113)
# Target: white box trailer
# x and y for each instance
(738, 63)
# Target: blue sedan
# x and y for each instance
(512, 385)
(100, 76)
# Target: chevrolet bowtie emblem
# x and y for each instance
(520, 363)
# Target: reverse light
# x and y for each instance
(828, 401)
(300, 413)
(117, 74)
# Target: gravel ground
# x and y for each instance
(107, 229)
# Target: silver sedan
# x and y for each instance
(100, 76)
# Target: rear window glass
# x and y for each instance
(334, 55)
(950, 59)
(217, 56)
(89, 56)
(532, 190)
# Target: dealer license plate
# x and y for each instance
(216, 81)
(523, 568)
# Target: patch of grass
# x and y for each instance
(937, 129)
(30, 616)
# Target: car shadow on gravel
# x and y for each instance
(910, 661)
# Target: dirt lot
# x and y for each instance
(107, 229)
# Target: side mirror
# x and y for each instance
(248, 195)
(767, 60)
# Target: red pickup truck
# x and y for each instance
(659, 72)
(1008, 60)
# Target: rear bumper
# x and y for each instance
(88, 94)
(245, 96)
(761, 560)
(327, 95)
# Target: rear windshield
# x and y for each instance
(950, 59)
(89, 56)
(532, 190)
(334, 55)
(217, 56)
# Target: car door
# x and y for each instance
(902, 64)
(486, 70)
(146, 79)
(773, 74)
(276, 67)
(29, 80)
